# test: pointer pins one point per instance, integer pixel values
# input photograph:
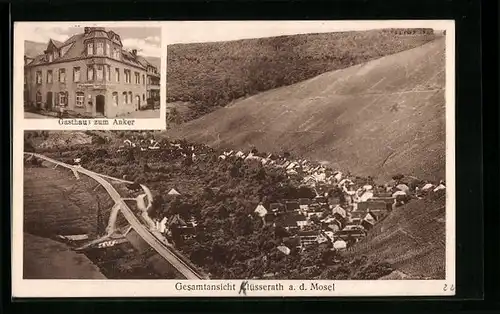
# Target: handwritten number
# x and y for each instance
(450, 288)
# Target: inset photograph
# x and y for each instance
(91, 72)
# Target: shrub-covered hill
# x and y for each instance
(382, 117)
(411, 238)
(209, 75)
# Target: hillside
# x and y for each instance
(32, 48)
(218, 73)
(156, 61)
(378, 118)
(411, 239)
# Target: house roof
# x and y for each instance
(173, 192)
(57, 43)
(308, 233)
(261, 210)
(177, 220)
(293, 205)
(304, 201)
(276, 206)
(77, 50)
(292, 219)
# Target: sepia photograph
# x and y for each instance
(91, 72)
(309, 153)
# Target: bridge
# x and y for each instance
(163, 249)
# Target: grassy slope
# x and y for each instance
(345, 117)
(412, 239)
(32, 48)
(216, 74)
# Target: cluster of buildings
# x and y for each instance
(91, 74)
(344, 209)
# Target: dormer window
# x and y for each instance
(51, 57)
(90, 49)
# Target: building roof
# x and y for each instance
(177, 220)
(173, 192)
(291, 219)
(56, 43)
(77, 49)
(292, 205)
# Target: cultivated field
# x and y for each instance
(209, 75)
(412, 238)
(379, 118)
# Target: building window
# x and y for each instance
(80, 98)
(76, 74)
(108, 50)
(90, 49)
(99, 73)
(143, 80)
(90, 73)
(63, 99)
(108, 73)
(117, 75)
(49, 77)
(100, 48)
(115, 99)
(116, 53)
(143, 97)
(137, 78)
(127, 76)
(62, 75)
(38, 97)
(129, 97)
(51, 57)
(125, 98)
(39, 77)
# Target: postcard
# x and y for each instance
(296, 158)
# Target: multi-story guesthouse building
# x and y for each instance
(91, 75)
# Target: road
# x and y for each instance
(155, 243)
(142, 114)
(32, 115)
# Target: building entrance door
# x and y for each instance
(50, 102)
(100, 104)
(137, 102)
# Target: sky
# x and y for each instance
(199, 31)
(145, 39)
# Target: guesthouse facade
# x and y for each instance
(91, 74)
